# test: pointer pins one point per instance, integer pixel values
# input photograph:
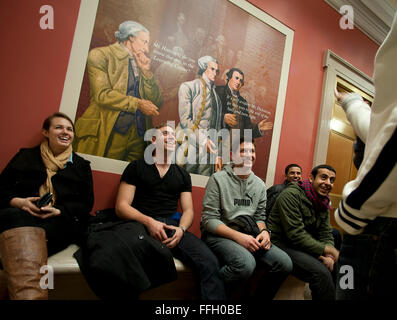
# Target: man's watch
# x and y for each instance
(267, 230)
(183, 229)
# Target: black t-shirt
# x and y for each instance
(155, 196)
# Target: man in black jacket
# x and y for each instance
(235, 112)
(293, 173)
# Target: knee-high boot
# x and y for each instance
(3, 286)
(23, 252)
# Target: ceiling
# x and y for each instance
(373, 17)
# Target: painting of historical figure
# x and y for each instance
(209, 67)
(124, 96)
(199, 112)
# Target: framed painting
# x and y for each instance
(104, 95)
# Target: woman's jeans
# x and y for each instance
(368, 262)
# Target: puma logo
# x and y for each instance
(242, 202)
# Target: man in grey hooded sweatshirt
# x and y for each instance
(236, 192)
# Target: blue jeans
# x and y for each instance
(238, 264)
(372, 256)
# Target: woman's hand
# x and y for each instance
(29, 205)
(47, 211)
(26, 204)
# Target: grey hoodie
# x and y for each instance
(227, 196)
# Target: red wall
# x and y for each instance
(316, 29)
(34, 64)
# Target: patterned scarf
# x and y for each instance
(320, 203)
(52, 165)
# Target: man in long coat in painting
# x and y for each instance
(123, 97)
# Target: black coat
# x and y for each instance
(119, 259)
(25, 173)
(272, 193)
(244, 120)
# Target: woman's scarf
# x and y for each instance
(52, 164)
(320, 203)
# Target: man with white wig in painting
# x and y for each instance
(199, 112)
(123, 97)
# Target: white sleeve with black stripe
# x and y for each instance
(374, 191)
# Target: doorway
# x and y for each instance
(340, 146)
(335, 136)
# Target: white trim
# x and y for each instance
(373, 18)
(78, 57)
(334, 67)
(289, 36)
(118, 166)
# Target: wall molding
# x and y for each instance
(335, 66)
(373, 18)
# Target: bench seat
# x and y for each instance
(70, 284)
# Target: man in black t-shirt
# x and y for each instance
(149, 192)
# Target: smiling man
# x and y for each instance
(293, 173)
(300, 225)
(235, 113)
(149, 195)
(234, 196)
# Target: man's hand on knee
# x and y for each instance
(172, 241)
(264, 239)
(248, 242)
(156, 230)
(328, 262)
(331, 251)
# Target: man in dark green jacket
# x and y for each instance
(300, 226)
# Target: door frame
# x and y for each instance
(334, 66)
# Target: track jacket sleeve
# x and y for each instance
(373, 192)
